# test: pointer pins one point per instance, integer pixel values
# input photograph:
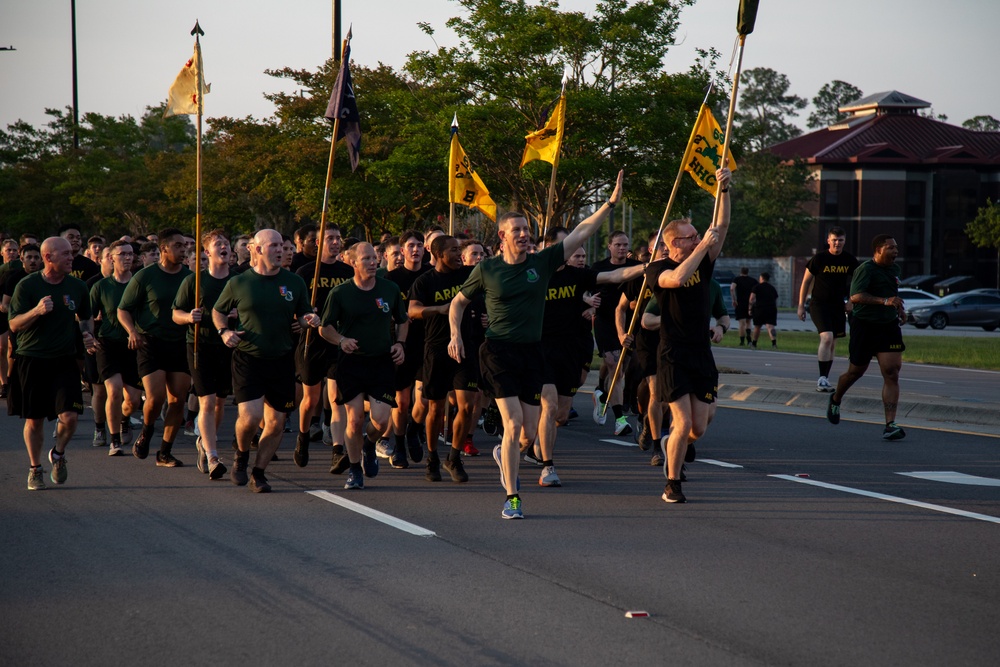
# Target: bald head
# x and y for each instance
(266, 247)
(57, 256)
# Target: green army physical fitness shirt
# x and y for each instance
(149, 297)
(54, 334)
(211, 290)
(366, 315)
(515, 293)
(265, 307)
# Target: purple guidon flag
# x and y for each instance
(344, 106)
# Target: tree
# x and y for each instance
(828, 100)
(982, 124)
(984, 230)
(766, 108)
(768, 213)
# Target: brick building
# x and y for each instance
(886, 169)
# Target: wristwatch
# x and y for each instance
(222, 330)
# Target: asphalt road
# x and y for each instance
(788, 321)
(128, 563)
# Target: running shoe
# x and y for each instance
(115, 449)
(469, 449)
(384, 449)
(823, 384)
(549, 477)
(339, 462)
(533, 454)
(189, 427)
(414, 447)
(238, 474)
(398, 458)
(167, 460)
(600, 416)
(355, 480)
(216, 469)
(3, 391)
(126, 432)
(833, 411)
(672, 492)
(496, 457)
(622, 427)
(327, 435)
(573, 414)
(100, 438)
(315, 432)
(657, 458)
(369, 462)
(202, 456)
(512, 509)
(140, 448)
(433, 472)
(690, 454)
(36, 479)
(258, 483)
(893, 431)
(301, 452)
(645, 439)
(457, 470)
(59, 472)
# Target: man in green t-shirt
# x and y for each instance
(515, 284)
(145, 313)
(875, 332)
(211, 368)
(44, 312)
(116, 363)
(268, 299)
(364, 317)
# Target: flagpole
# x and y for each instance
(200, 87)
(550, 202)
(326, 204)
(745, 21)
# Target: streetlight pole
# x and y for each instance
(336, 30)
(76, 113)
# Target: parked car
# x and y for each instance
(913, 298)
(963, 309)
(985, 290)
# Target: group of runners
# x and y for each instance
(391, 354)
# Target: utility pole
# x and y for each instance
(76, 112)
(336, 30)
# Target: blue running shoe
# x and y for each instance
(369, 459)
(355, 480)
(512, 509)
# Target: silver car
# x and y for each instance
(962, 309)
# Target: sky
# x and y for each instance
(130, 51)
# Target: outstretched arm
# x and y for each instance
(586, 229)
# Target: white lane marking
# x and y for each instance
(714, 462)
(387, 519)
(623, 443)
(892, 499)
(952, 477)
(924, 381)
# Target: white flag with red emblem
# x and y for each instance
(184, 98)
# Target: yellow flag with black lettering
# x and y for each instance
(544, 144)
(464, 185)
(704, 151)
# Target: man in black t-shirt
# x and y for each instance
(430, 299)
(764, 309)
(740, 290)
(609, 345)
(687, 376)
(828, 277)
(83, 268)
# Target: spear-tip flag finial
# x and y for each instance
(454, 123)
(196, 30)
(565, 78)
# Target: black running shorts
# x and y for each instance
(274, 379)
(320, 362)
(114, 358)
(683, 371)
(443, 374)
(371, 376)
(48, 387)
(561, 366)
(606, 335)
(214, 374)
(161, 355)
(868, 339)
(512, 369)
(829, 317)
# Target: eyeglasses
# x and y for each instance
(688, 238)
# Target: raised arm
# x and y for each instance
(721, 224)
(586, 229)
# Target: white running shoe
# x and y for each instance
(823, 384)
(599, 417)
(549, 477)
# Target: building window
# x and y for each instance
(914, 199)
(831, 191)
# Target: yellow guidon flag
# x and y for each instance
(464, 185)
(184, 94)
(704, 151)
(544, 144)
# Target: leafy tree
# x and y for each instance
(828, 100)
(982, 124)
(765, 108)
(984, 230)
(768, 198)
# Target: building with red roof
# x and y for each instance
(887, 169)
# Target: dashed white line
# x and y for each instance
(715, 462)
(621, 443)
(387, 519)
(892, 499)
